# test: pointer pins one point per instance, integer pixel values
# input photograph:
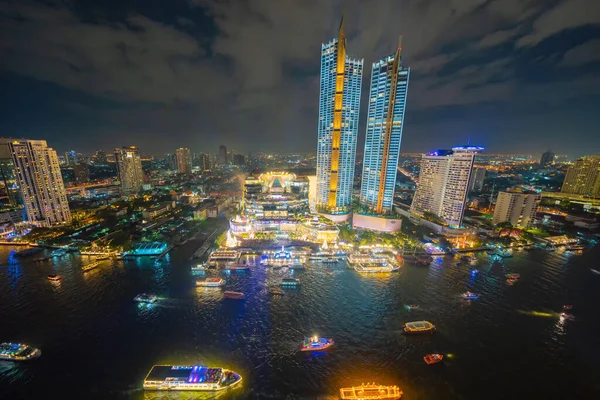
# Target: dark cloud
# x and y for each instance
(250, 78)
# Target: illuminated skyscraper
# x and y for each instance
(184, 160)
(339, 106)
(129, 167)
(583, 177)
(444, 183)
(37, 171)
(223, 154)
(387, 101)
(547, 159)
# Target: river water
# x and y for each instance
(97, 342)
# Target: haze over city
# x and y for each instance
(511, 75)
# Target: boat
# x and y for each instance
(470, 296)
(575, 247)
(370, 391)
(236, 267)
(297, 265)
(90, 266)
(595, 271)
(550, 248)
(211, 282)
(18, 352)
(418, 327)
(99, 257)
(277, 292)
(58, 253)
(40, 259)
(194, 377)
(146, 298)
(433, 358)
(53, 277)
(566, 316)
(199, 268)
(474, 271)
(28, 252)
(373, 268)
(513, 276)
(316, 343)
(228, 294)
(290, 282)
(567, 307)
(412, 307)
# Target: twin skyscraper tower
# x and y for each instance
(339, 109)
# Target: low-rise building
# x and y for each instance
(156, 211)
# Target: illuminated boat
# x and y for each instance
(18, 352)
(58, 253)
(290, 282)
(228, 294)
(54, 277)
(595, 271)
(236, 267)
(316, 343)
(90, 266)
(567, 307)
(418, 327)
(199, 268)
(513, 276)
(28, 252)
(433, 358)
(196, 377)
(575, 247)
(146, 298)
(211, 282)
(370, 391)
(564, 316)
(470, 296)
(412, 307)
(277, 292)
(296, 265)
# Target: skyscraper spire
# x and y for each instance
(399, 49)
(341, 29)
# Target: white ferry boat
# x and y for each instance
(372, 268)
(211, 282)
(196, 377)
(18, 352)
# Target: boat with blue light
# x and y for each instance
(316, 344)
(470, 296)
(290, 282)
(199, 268)
(192, 378)
(146, 298)
(235, 267)
(18, 352)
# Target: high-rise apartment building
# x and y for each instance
(477, 179)
(239, 159)
(583, 177)
(517, 208)
(184, 160)
(70, 157)
(223, 155)
(339, 107)
(129, 168)
(387, 102)
(444, 183)
(100, 157)
(207, 162)
(37, 171)
(547, 159)
(81, 172)
(9, 188)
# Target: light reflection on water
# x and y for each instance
(91, 316)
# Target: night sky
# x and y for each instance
(513, 75)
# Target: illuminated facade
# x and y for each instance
(37, 171)
(517, 208)
(184, 160)
(129, 167)
(444, 183)
(583, 177)
(339, 106)
(387, 102)
(275, 195)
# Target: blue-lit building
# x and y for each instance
(339, 106)
(387, 102)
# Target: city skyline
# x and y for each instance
(492, 80)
